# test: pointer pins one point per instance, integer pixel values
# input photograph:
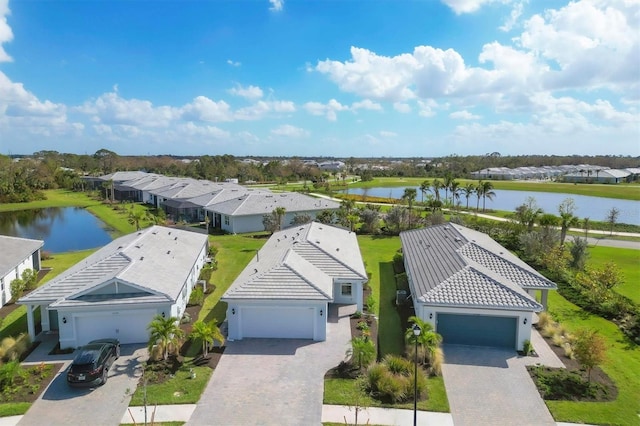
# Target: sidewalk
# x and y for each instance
(383, 416)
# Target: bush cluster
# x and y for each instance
(392, 380)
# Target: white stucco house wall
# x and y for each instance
(286, 290)
(16, 255)
(116, 291)
(470, 288)
(245, 213)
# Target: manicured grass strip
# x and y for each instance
(118, 220)
(377, 253)
(346, 391)
(14, 409)
(622, 365)
(55, 198)
(234, 253)
(628, 260)
(180, 389)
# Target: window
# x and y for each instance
(226, 220)
(346, 289)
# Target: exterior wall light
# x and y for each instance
(320, 312)
(64, 320)
(233, 311)
(525, 321)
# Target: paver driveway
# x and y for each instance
(104, 405)
(491, 386)
(272, 381)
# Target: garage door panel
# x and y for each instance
(126, 327)
(477, 330)
(286, 323)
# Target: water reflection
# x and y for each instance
(62, 229)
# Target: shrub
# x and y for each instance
(371, 303)
(357, 315)
(527, 347)
(392, 387)
(197, 296)
(398, 365)
(568, 350)
(435, 369)
(17, 288)
(362, 325)
(11, 371)
(549, 330)
(398, 263)
(557, 340)
(543, 319)
(20, 347)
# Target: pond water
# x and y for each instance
(62, 229)
(595, 208)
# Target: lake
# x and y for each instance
(595, 208)
(62, 229)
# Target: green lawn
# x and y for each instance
(234, 253)
(345, 392)
(622, 365)
(628, 260)
(181, 389)
(55, 198)
(377, 252)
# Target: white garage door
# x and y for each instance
(126, 326)
(277, 322)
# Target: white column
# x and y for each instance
(30, 325)
(44, 318)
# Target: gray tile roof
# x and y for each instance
(14, 250)
(457, 266)
(157, 260)
(300, 263)
(263, 203)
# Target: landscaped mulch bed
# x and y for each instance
(603, 389)
(29, 388)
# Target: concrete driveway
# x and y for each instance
(104, 405)
(272, 381)
(491, 386)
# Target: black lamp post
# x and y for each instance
(416, 333)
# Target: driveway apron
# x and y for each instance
(491, 386)
(103, 405)
(272, 381)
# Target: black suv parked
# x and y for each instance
(91, 366)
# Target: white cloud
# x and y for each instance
(427, 108)
(251, 92)
(6, 35)
(290, 131)
(205, 109)
(388, 134)
(402, 107)
(330, 109)
(468, 6)
(112, 109)
(276, 5)
(464, 115)
(263, 108)
(366, 104)
(515, 14)
(233, 63)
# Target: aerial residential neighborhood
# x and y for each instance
(292, 213)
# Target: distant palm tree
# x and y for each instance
(164, 333)
(136, 217)
(455, 191)
(280, 212)
(207, 333)
(468, 191)
(410, 195)
(446, 184)
(436, 186)
(487, 192)
(424, 187)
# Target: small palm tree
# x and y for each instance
(164, 333)
(207, 333)
(487, 192)
(362, 350)
(424, 187)
(136, 217)
(468, 191)
(280, 212)
(428, 340)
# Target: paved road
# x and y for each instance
(491, 386)
(272, 381)
(104, 405)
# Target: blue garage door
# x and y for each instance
(477, 330)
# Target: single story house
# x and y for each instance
(246, 212)
(116, 291)
(470, 288)
(18, 254)
(286, 289)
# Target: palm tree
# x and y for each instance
(446, 184)
(164, 333)
(436, 185)
(468, 191)
(280, 212)
(585, 225)
(207, 333)
(135, 217)
(362, 349)
(410, 195)
(424, 187)
(567, 219)
(487, 192)
(455, 191)
(428, 340)
(479, 189)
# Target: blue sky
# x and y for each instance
(321, 78)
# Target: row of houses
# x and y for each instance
(225, 206)
(471, 289)
(581, 173)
